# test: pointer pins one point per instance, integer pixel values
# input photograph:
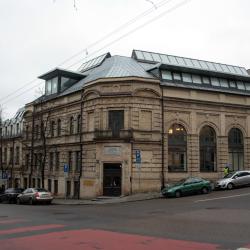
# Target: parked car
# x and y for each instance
(10, 195)
(234, 179)
(187, 186)
(34, 196)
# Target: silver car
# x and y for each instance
(34, 195)
(234, 179)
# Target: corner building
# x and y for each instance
(123, 125)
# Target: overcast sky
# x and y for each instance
(38, 35)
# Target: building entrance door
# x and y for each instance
(112, 179)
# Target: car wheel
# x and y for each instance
(48, 202)
(178, 194)
(204, 190)
(230, 186)
(18, 202)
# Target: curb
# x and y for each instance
(103, 202)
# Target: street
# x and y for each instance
(219, 220)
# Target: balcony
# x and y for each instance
(113, 135)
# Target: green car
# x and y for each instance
(187, 186)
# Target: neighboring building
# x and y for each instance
(123, 125)
(11, 147)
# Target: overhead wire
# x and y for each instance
(110, 43)
(118, 29)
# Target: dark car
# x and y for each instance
(10, 195)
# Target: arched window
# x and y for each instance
(59, 127)
(207, 149)
(71, 125)
(177, 148)
(236, 149)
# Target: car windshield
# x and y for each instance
(228, 175)
(40, 190)
(181, 182)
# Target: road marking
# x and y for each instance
(30, 229)
(223, 197)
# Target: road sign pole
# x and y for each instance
(66, 172)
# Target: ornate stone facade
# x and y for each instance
(146, 110)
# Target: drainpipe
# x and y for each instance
(81, 144)
(162, 139)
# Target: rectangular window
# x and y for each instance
(54, 84)
(55, 186)
(38, 182)
(247, 84)
(206, 80)
(70, 161)
(52, 128)
(68, 189)
(11, 156)
(35, 160)
(166, 75)
(5, 155)
(17, 155)
(215, 81)
(224, 83)
(51, 161)
(27, 157)
(33, 182)
(177, 76)
(232, 84)
(116, 122)
(49, 185)
(240, 85)
(186, 77)
(196, 79)
(78, 161)
(57, 160)
(48, 87)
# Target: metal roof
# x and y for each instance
(152, 57)
(113, 67)
(63, 72)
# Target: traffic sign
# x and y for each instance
(137, 156)
(66, 168)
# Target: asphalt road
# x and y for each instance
(219, 220)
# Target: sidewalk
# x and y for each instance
(108, 200)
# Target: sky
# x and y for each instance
(39, 35)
